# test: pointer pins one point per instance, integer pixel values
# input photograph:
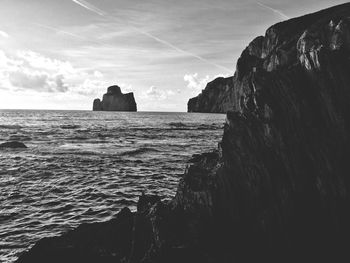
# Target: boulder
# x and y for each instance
(13, 145)
(100, 242)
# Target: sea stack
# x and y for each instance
(115, 100)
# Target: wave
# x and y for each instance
(184, 126)
(11, 127)
(103, 165)
(69, 127)
(178, 124)
(213, 126)
(78, 138)
(139, 151)
(20, 138)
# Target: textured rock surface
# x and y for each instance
(277, 189)
(297, 41)
(100, 242)
(13, 145)
(115, 100)
(214, 98)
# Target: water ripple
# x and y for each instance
(83, 167)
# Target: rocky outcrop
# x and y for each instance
(100, 242)
(278, 187)
(214, 98)
(284, 44)
(13, 145)
(115, 100)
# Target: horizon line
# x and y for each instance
(139, 111)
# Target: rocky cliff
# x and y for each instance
(283, 45)
(115, 100)
(215, 98)
(278, 187)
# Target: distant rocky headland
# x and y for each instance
(219, 96)
(277, 189)
(214, 98)
(115, 100)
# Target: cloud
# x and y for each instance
(38, 61)
(195, 83)
(28, 70)
(60, 84)
(91, 87)
(155, 93)
(39, 81)
(126, 88)
(98, 74)
(4, 34)
(32, 71)
(28, 80)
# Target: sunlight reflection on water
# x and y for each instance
(82, 167)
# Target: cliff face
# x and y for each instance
(115, 100)
(278, 187)
(279, 184)
(215, 98)
(298, 40)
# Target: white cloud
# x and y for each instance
(32, 71)
(155, 93)
(170, 93)
(28, 80)
(91, 87)
(126, 88)
(37, 61)
(4, 34)
(195, 83)
(39, 81)
(98, 74)
(28, 70)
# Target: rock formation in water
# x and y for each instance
(12, 145)
(115, 100)
(214, 98)
(278, 187)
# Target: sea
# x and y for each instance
(84, 166)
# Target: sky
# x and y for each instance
(62, 54)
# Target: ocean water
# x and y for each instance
(83, 166)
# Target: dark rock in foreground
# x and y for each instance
(115, 100)
(214, 98)
(278, 188)
(13, 145)
(99, 242)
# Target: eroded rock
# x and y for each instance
(115, 100)
(13, 145)
(213, 98)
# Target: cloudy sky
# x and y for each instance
(61, 54)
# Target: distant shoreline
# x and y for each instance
(109, 111)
